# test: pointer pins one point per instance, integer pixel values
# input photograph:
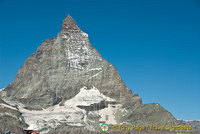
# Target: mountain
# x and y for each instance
(67, 87)
(61, 66)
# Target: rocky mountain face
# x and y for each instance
(195, 124)
(61, 66)
(10, 118)
(67, 87)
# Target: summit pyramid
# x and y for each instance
(61, 66)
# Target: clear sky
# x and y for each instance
(154, 44)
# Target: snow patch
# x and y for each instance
(52, 117)
(2, 89)
(110, 113)
(87, 97)
(7, 106)
(190, 120)
(107, 114)
(93, 69)
(95, 75)
(65, 37)
(84, 34)
(69, 114)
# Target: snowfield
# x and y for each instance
(87, 97)
(70, 114)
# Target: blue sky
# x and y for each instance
(155, 45)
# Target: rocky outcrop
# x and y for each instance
(152, 113)
(60, 67)
(11, 119)
(194, 124)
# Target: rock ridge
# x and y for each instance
(60, 67)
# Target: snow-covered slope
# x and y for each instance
(2, 89)
(86, 97)
(52, 117)
(69, 113)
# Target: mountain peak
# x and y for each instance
(69, 25)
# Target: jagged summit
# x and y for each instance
(69, 25)
(61, 66)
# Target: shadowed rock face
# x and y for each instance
(60, 67)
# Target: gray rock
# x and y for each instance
(60, 67)
(11, 120)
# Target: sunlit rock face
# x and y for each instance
(61, 66)
(67, 87)
(67, 82)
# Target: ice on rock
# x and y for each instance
(87, 97)
(2, 89)
(69, 113)
(84, 34)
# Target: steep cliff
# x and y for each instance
(61, 66)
